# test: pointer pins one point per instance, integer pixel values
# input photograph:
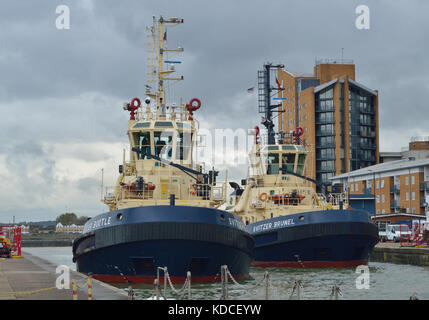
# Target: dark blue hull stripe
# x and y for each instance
(335, 235)
(135, 241)
(142, 258)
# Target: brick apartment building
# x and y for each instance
(393, 187)
(339, 117)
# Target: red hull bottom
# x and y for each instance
(308, 264)
(149, 280)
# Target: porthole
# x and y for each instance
(301, 218)
(119, 216)
(222, 216)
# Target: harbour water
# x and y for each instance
(386, 281)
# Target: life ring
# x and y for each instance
(133, 105)
(263, 196)
(191, 106)
(299, 131)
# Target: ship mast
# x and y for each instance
(159, 34)
(264, 99)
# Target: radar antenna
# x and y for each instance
(264, 99)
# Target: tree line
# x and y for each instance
(71, 218)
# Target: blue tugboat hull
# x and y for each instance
(317, 239)
(129, 245)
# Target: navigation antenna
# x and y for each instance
(264, 99)
(151, 55)
(157, 35)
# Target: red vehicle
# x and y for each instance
(5, 247)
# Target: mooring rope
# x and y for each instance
(335, 292)
(242, 286)
(297, 286)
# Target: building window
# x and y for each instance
(414, 210)
(378, 184)
(413, 178)
(413, 196)
(357, 188)
(378, 211)
(406, 181)
(384, 211)
(382, 183)
(378, 199)
(352, 187)
(407, 196)
(382, 198)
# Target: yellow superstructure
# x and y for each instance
(162, 137)
(277, 185)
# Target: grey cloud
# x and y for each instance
(68, 86)
(89, 185)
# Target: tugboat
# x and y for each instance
(163, 210)
(292, 225)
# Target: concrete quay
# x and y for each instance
(394, 253)
(34, 278)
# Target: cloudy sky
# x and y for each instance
(61, 91)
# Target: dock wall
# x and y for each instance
(401, 255)
(47, 243)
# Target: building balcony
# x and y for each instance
(367, 190)
(325, 133)
(368, 146)
(367, 133)
(325, 169)
(395, 189)
(367, 122)
(424, 186)
(325, 109)
(325, 145)
(423, 203)
(324, 158)
(394, 204)
(325, 121)
(366, 110)
(365, 158)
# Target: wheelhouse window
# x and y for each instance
(288, 161)
(142, 140)
(273, 163)
(163, 144)
(301, 164)
(183, 145)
